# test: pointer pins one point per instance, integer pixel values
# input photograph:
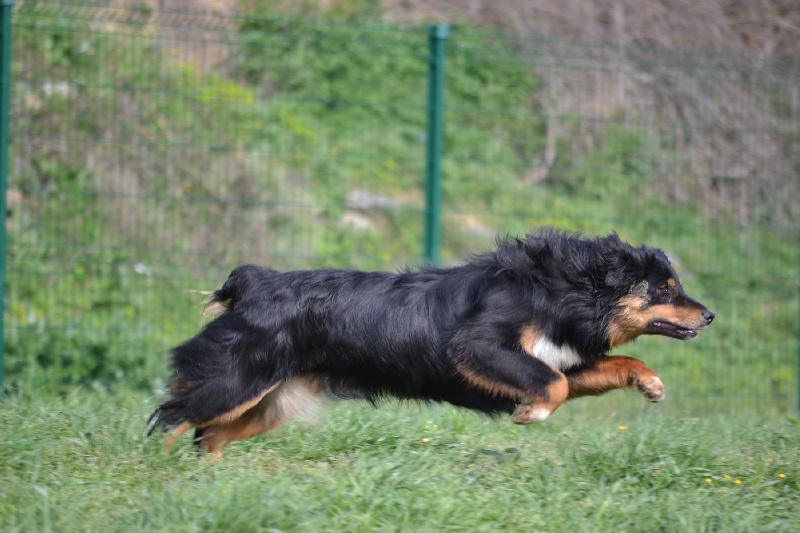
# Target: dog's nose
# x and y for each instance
(709, 316)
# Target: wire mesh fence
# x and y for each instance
(152, 151)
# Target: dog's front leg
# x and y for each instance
(618, 372)
(537, 388)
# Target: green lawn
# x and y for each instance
(82, 463)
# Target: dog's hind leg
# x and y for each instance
(176, 434)
(276, 407)
(615, 372)
(213, 438)
(225, 418)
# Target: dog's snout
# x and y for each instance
(708, 316)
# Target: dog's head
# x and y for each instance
(650, 297)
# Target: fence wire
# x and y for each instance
(152, 151)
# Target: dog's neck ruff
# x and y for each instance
(561, 357)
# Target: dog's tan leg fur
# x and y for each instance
(176, 434)
(608, 373)
(230, 416)
(274, 408)
(540, 409)
(250, 424)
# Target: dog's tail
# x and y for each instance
(212, 372)
(215, 305)
(240, 281)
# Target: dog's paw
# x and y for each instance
(530, 413)
(651, 387)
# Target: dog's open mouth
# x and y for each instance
(668, 329)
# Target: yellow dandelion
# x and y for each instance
(622, 428)
(425, 440)
(709, 480)
(737, 481)
(782, 476)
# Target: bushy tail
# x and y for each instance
(210, 374)
(241, 281)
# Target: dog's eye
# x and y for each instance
(663, 288)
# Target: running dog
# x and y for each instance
(518, 330)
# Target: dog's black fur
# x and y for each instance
(442, 334)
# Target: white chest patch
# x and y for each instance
(559, 357)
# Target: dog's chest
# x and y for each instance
(560, 357)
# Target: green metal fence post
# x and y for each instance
(437, 37)
(6, 7)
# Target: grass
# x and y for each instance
(81, 462)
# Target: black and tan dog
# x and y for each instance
(518, 330)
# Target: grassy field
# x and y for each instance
(82, 463)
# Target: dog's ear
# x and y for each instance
(619, 261)
(620, 269)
